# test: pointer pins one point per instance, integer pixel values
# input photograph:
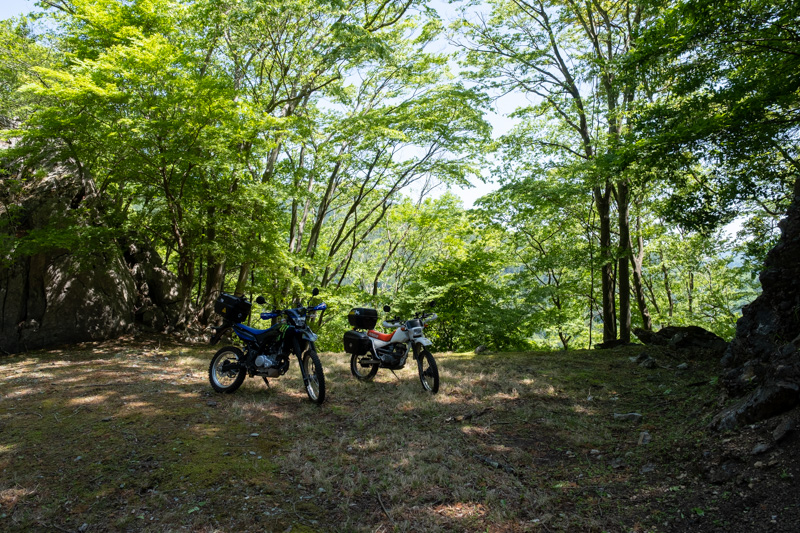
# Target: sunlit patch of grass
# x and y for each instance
(150, 442)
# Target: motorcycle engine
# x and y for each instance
(266, 361)
(394, 354)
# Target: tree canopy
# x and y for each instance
(269, 148)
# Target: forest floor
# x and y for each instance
(129, 436)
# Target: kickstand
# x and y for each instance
(265, 380)
(395, 375)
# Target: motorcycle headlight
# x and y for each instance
(416, 332)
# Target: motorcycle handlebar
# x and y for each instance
(396, 323)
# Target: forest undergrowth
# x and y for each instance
(129, 436)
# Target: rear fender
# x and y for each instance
(218, 333)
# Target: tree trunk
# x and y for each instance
(241, 283)
(624, 275)
(603, 201)
(638, 289)
(215, 273)
(667, 289)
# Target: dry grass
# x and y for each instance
(128, 436)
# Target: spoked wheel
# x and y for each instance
(362, 373)
(428, 371)
(225, 372)
(315, 378)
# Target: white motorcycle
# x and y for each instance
(371, 350)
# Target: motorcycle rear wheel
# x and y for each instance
(362, 373)
(315, 377)
(226, 371)
(428, 371)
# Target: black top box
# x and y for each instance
(233, 308)
(363, 317)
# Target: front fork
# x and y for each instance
(417, 347)
(298, 351)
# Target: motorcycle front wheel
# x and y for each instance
(362, 373)
(314, 376)
(428, 371)
(226, 371)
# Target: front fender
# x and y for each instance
(310, 336)
(423, 341)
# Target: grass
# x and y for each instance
(129, 436)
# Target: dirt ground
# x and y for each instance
(129, 436)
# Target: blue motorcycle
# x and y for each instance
(266, 351)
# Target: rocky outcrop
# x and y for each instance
(55, 288)
(684, 337)
(763, 361)
(54, 295)
(158, 305)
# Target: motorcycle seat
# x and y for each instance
(385, 337)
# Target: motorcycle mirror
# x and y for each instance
(315, 291)
(260, 300)
(386, 308)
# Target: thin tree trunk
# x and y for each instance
(667, 289)
(602, 199)
(625, 252)
(241, 283)
(638, 289)
(648, 282)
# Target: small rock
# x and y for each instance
(646, 469)
(785, 427)
(77, 458)
(617, 463)
(683, 366)
(724, 473)
(632, 417)
(321, 490)
(83, 527)
(254, 434)
(594, 452)
(107, 419)
(480, 349)
(649, 363)
(759, 464)
(644, 438)
(212, 403)
(761, 447)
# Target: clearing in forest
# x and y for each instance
(129, 436)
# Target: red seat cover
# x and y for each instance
(386, 337)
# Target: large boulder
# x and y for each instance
(159, 299)
(52, 295)
(684, 337)
(763, 361)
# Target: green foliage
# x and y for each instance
(295, 144)
(726, 99)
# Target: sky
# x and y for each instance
(12, 8)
